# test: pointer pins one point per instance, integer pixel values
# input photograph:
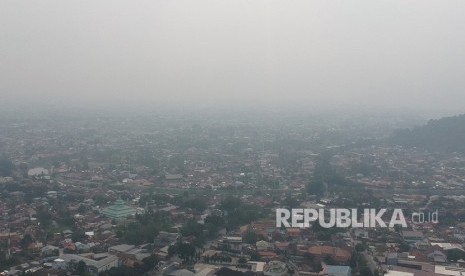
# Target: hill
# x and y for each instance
(446, 134)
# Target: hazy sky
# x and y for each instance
(380, 53)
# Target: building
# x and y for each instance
(37, 172)
(94, 266)
(449, 270)
(339, 254)
(391, 259)
(233, 244)
(119, 210)
(336, 270)
(398, 273)
(277, 268)
(412, 236)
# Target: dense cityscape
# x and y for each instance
(193, 195)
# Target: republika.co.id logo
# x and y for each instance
(343, 218)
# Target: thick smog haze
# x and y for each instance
(392, 54)
(232, 137)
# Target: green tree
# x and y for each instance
(360, 247)
(250, 237)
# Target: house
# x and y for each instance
(231, 243)
(437, 256)
(339, 254)
(122, 248)
(412, 236)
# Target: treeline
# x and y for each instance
(144, 228)
(234, 213)
(326, 179)
(237, 213)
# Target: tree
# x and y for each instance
(214, 220)
(147, 264)
(365, 271)
(404, 247)
(44, 217)
(308, 258)
(329, 260)
(290, 202)
(150, 262)
(254, 256)
(196, 204)
(317, 266)
(250, 237)
(398, 228)
(230, 203)
(185, 251)
(6, 263)
(213, 223)
(353, 260)
(242, 260)
(6, 166)
(81, 268)
(360, 247)
(454, 255)
(26, 241)
(172, 249)
(192, 228)
(316, 187)
(239, 213)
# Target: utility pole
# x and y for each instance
(8, 250)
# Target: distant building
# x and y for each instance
(37, 172)
(120, 210)
(173, 177)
